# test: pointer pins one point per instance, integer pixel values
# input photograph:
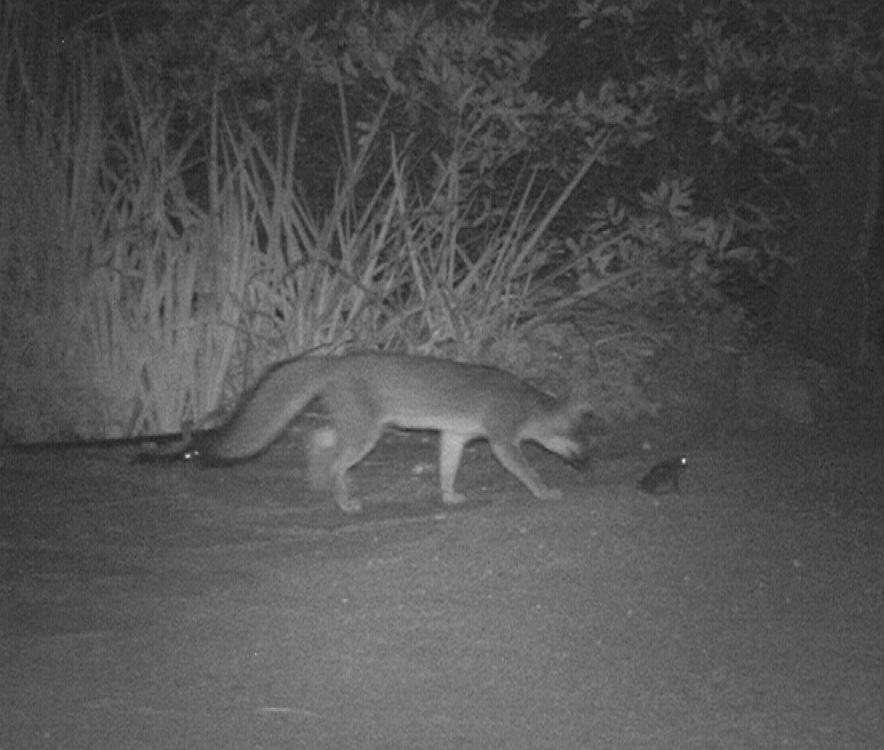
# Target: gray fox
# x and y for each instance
(366, 392)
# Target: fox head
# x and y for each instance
(563, 432)
(584, 432)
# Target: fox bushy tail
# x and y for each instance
(281, 393)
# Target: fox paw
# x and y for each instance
(550, 494)
(350, 505)
(453, 498)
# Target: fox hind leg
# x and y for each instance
(357, 428)
(451, 445)
(321, 453)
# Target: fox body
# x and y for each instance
(364, 393)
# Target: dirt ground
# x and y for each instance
(178, 607)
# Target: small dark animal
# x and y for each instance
(663, 477)
(175, 448)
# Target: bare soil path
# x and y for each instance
(173, 607)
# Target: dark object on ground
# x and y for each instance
(176, 448)
(663, 477)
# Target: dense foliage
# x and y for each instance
(439, 177)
